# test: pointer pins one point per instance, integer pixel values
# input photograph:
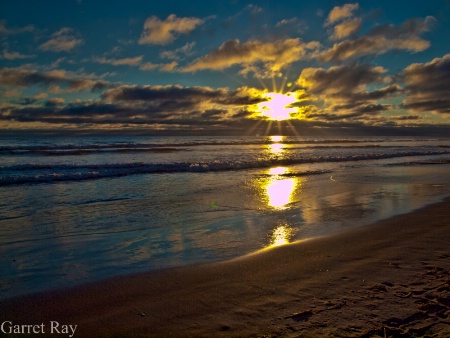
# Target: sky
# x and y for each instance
(225, 67)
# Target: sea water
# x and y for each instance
(82, 208)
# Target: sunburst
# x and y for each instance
(277, 107)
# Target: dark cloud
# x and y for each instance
(341, 92)
(339, 79)
(25, 77)
(363, 108)
(327, 117)
(428, 86)
(97, 113)
(151, 93)
(406, 117)
(176, 93)
(377, 94)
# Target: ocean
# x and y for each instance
(78, 209)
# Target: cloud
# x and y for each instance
(4, 30)
(14, 55)
(159, 32)
(339, 13)
(249, 11)
(254, 9)
(56, 101)
(406, 29)
(10, 93)
(428, 86)
(21, 77)
(381, 40)
(346, 28)
(290, 26)
(164, 67)
(61, 41)
(40, 96)
(274, 56)
(178, 53)
(132, 61)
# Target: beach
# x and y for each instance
(388, 279)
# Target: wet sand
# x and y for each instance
(383, 280)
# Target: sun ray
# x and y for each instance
(254, 127)
(234, 78)
(262, 83)
(274, 84)
(294, 130)
(269, 126)
(283, 84)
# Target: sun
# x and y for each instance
(276, 107)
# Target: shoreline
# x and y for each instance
(391, 277)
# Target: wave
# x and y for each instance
(41, 173)
(81, 149)
(85, 151)
(424, 162)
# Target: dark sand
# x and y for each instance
(390, 279)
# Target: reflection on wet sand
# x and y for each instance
(281, 235)
(279, 190)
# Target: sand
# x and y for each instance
(390, 279)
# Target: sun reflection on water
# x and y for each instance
(276, 138)
(276, 147)
(277, 171)
(280, 236)
(279, 191)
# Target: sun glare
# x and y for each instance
(276, 138)
(276, 107)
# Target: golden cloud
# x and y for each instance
(162, 32)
